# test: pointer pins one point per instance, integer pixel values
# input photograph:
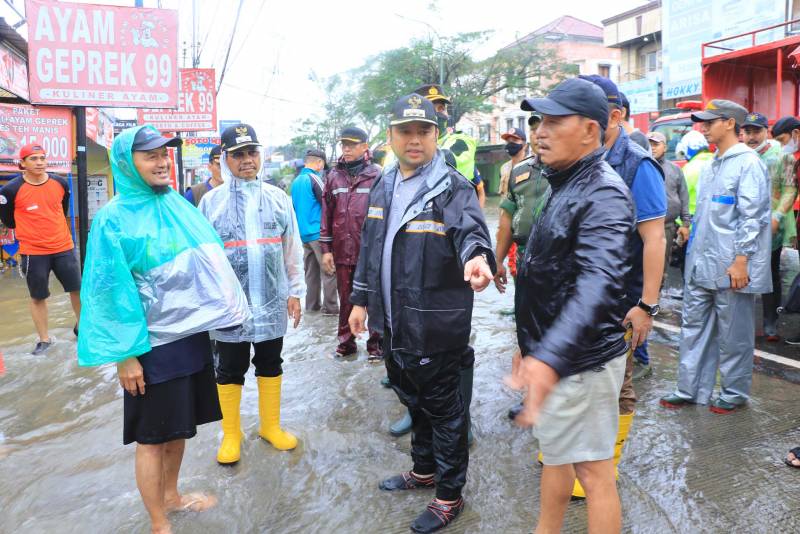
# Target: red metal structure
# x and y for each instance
(762, 76)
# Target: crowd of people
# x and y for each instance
(183, 296)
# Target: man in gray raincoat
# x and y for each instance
(258, 227)
(727, 264)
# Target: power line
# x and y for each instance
(230, 43)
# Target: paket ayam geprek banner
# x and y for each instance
(103, 56)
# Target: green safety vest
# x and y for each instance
(465, 160)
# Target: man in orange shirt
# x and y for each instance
(36, 205)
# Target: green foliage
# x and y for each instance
(364, 96)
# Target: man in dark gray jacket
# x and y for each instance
(677, 197)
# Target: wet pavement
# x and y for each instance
(63, 467)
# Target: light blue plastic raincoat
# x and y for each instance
(155, 270)
(257, 224)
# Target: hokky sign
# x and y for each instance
(105, 56)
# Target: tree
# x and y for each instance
(364, 96)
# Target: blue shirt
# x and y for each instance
(649, 194)
(306, 196)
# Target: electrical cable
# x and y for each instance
(230, 43)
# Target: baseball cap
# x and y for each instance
(238, 136)
(785, 125)
(609, 88)
(215, 153)
(316, 153)
(31, 148)
(514, 133)
(535, 117)
(412, 108)
(721, 109)
(756, 119)
(573, 96)
(432, 92)
(657, 137)
(149, 138)
(353, 135)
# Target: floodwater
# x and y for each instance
(63, 467)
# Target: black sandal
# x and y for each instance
(437, 516)
(796, 452)
(406, 481)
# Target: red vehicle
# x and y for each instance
(757, 69)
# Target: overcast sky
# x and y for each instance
(279, 45)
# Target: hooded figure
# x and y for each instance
(155, 270)
(257, 224)
(156, 280)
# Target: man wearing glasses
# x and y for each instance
(196, 192)
(257, 225)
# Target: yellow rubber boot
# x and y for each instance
(269, 410)
(540, 458)
(230, 397)
(625, 422)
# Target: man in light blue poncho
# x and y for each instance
(258, 227)
(156, 280)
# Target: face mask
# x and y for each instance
(441, 120)
(790, 147)
(513, 148)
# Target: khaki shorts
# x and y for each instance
(580, 417)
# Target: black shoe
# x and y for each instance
(514, 412)
(792, 340)
(405, 481)
(75, 330)
(41, 347)
(437, 516)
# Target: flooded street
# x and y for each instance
(63, 467)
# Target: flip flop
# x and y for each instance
(195, 502)
(787, 461)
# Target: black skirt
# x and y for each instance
(171, 410)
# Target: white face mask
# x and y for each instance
(791, 147)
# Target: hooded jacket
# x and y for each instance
(344, 208)
(442, 228)
(258, 227)
(155, 270)
(732, 219)
(570, 288)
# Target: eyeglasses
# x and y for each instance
(241, 154)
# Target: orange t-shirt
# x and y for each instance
(39, 215)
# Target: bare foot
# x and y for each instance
(792, 460)
(191, 502)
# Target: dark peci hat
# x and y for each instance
(721, 109)
(149, 138)
(412, 108)
(609, 88)
(316, 153)
(353, 135)
(514, 133)
(756, 119)
(573, 96)
(785, 125)
(238, 136)
(432, 92)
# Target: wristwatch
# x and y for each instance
(651, 309)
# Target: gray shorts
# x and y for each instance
(580, 417)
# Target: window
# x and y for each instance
(484, 133)
(604, 71)
(509, 124)
(652, 62)
(673, 130)
(522, 123)
(639, 25)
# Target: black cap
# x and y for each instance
(785, 125)
(609, 88)
(412, 108)
(573, 96)
(238, 136)
(432, 92)
(216, 151)
(148, 138)
(353, 135)
(535, 117)
(316, 153)
(756, 119)
(514, 132)
(721, 109)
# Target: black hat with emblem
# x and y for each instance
(432, 92)
(353, 135)
(238, 136)
(412, 108)
(756, 119)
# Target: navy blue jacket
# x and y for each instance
(443, 228)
